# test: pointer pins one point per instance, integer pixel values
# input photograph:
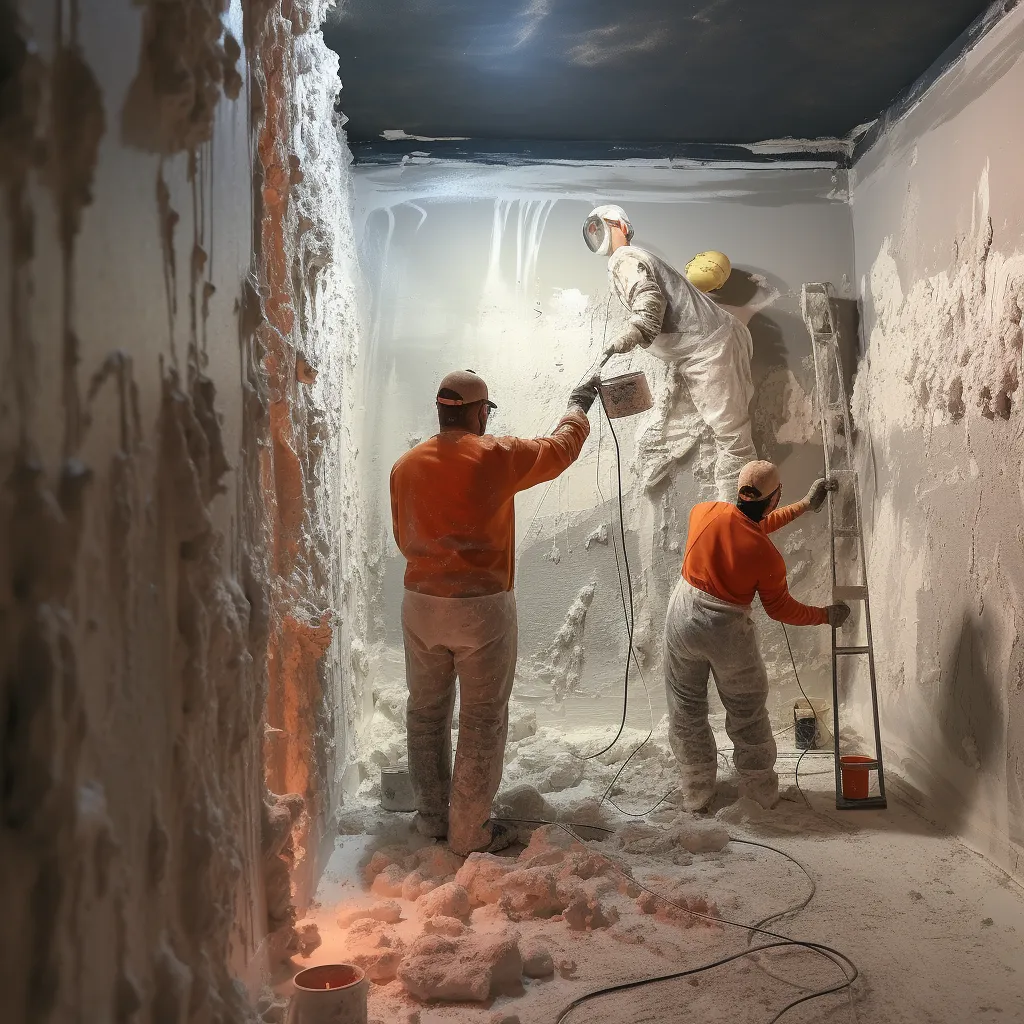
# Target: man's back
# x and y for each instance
(453, 504)
(688, 311)
(731, 558)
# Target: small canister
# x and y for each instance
(330, 994)
(396, 789)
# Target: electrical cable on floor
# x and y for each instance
(844, 963)
(834, 956)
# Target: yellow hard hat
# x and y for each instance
(708, 271)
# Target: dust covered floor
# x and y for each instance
(937, 934)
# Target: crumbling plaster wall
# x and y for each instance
(485, 267)
(163, 497)
(938, 217)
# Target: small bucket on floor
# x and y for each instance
(807, 716)
(396, 789)
(626, 395)
(856, 781)
(330, 994)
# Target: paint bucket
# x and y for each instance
(856, 781)
(807, 715)
(331, 994)
(396, 789)
(626, 395)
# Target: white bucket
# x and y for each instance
(330, 994)
(396, 789)
(626, 395)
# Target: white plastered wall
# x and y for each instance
(938, 216)
(145, 867)
(485, 267)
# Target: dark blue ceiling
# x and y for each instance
(639, 71)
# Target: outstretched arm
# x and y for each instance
(537, 460)
(813, 501)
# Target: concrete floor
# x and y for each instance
(936, 932)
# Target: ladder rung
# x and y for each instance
(852, 650)
(846, 531)
(861, 766)
(857, 593)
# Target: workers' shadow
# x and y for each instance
(969, 728)
(958, 739)
(739, 290)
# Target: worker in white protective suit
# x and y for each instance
(453, 515)
(729, 558)
(678, 323)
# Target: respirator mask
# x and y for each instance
(596, 232)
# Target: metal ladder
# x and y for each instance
(849, 568)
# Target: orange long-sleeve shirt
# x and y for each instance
(730, 557)
(453, 508)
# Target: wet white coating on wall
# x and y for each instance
(939, 229)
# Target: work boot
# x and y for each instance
(761, 787)
(433, 826)
(697, 799)
(502, 837)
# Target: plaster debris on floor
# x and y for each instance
(519, 935)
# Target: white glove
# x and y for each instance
(626, 341)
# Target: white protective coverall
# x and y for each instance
(702, 634)
(679, 324)
(475, 639)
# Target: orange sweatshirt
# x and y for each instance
(730, 557)
(452, 504)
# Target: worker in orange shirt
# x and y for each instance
(453, 514)
(728, 560)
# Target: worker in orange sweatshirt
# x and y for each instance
(453, 515)
(729, 558)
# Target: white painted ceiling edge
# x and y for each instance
(388, 187)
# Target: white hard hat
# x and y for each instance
(595, 228)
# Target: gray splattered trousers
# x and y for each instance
(702, 634)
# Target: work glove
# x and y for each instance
(584, 394)
(837, 614)
(625, 342)
(816, 495)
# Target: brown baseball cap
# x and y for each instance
(463, 387)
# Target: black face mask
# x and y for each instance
(755, 510)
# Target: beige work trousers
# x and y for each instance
(474, 639)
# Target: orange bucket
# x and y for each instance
(856, 781)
